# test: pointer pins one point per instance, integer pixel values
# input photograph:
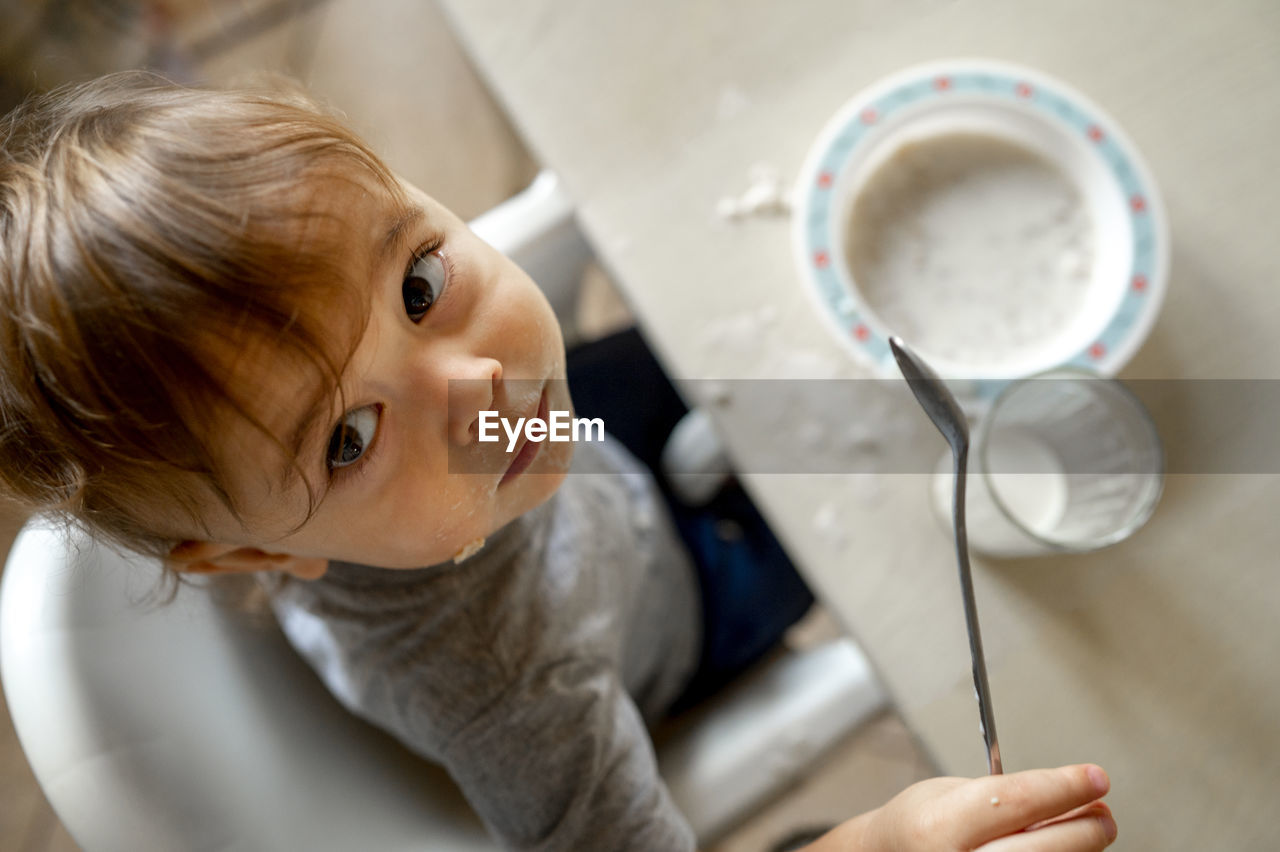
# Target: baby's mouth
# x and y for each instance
(527, 450)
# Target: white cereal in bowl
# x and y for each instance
(976, 249)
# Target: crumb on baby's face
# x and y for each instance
(454, 327)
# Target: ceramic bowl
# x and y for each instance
(1126, 278)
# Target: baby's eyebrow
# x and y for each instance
(396, 230)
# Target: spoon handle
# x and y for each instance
(986, 720)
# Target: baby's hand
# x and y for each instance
(1042, 809)
(1045, 810)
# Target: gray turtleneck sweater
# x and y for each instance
(530, 669)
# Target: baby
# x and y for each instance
(234, 340)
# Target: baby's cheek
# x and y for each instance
(538, 329)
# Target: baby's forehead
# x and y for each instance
(282, 360)
(347, 216)
(260, 431)
(284, 383)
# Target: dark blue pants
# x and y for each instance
(751, 593)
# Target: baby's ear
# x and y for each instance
(207, 557)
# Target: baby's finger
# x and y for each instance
(1082, 834)
(1003, 804)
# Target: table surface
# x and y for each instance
(1154, 657)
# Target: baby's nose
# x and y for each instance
(472, 390)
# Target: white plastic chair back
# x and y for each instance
(187, 727)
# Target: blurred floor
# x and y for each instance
(401, 81)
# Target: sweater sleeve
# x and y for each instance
(562, 761)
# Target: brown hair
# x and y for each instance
(141, 222)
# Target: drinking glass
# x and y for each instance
(1064, 461)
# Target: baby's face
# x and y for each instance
(454, 328)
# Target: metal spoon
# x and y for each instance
(946, 414)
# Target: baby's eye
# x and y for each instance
(423, 285)
(352, 437)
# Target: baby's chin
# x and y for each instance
(544, 477)
(537, 484)
(538, 489)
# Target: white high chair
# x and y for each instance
(194, 727)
